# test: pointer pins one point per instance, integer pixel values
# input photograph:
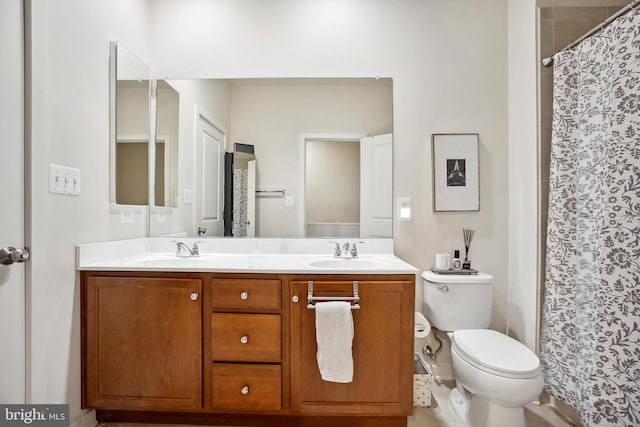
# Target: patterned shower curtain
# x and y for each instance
(590, 348)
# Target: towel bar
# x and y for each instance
(311, 299)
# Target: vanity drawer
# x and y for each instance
(254, 388)
(245, 337)
(254, 294)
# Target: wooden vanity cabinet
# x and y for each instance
(142, 343)
(382, 348)
(232, 349)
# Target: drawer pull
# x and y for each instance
(244, 339)
(244, 295)
(245, 390)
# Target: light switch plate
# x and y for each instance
(64, 180)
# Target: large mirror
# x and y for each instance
(144, 110)
(321, 155)
(320, 148)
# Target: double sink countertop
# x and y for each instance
(243, 255)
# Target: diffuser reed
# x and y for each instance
(468, 237)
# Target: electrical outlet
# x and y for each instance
(127, 216)
(188, 196)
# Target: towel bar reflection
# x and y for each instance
(355, 299)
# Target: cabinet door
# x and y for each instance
(382, 351)
(143, 343)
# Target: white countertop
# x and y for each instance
(227, 255)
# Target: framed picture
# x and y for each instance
(456, 177)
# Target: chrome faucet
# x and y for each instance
(183, 251)
(354, 250)
(346, 251)
(337, 252)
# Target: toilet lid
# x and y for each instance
(496, 353)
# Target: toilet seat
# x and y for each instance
(495, 353)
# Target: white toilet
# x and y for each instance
(495, 374)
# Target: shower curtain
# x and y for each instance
(590, 347)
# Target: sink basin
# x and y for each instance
(349, 263)
(171, 259)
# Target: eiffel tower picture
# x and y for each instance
(456, 173)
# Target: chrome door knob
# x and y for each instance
(244, 295)
(244, 339)
(9, 255)
(245, 390)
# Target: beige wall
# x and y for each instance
(332, 181)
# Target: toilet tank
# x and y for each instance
(453, 302)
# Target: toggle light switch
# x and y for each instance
(64, 180)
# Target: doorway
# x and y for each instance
(346, 185)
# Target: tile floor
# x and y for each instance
(439, 414)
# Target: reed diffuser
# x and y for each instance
(468, 237)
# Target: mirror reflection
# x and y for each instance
(136, 100)
(129, 149)
(279, 117)
(166, 148)
(132, 142)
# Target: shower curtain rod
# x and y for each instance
(631, 6)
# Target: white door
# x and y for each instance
(251, 199)
(12, 277)
(208, 201)
(376, 176)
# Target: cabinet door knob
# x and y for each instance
(244, 295)
(244, 339)
(194, 296)
(295, 298)
(245, 390)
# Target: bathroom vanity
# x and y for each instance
(229, 339)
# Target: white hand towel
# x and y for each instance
(334, 335)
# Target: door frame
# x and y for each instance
(16, 193)
(304, 137)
